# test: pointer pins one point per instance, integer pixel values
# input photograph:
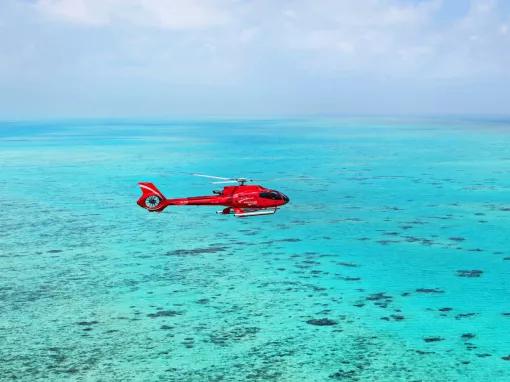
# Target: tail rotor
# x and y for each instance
(152, 199)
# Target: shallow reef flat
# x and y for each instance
(391, 262)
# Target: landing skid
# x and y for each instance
(238, 212)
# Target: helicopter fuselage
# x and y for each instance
(242, 200)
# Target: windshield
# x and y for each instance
(271, 195)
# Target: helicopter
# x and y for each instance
(241, 199)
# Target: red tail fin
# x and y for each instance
(152, 199)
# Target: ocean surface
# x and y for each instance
(390, 263)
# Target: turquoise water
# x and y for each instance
(390, 263)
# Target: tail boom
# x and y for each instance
(153, 200)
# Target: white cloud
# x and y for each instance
(389, 38)
(301, 52)
(398, 39)
(170, 14)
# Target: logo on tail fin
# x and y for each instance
(151, 198)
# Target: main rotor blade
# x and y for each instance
(226, 181)
(211, 177)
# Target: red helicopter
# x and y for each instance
(241, 200)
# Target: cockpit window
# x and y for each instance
(270, 195)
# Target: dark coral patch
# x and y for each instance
(386, 242)
(380, 299)
(423, 352)
(378, 296)
(469, 273)
(464, 315)
(347, 278)
(429, 290)
(393, 317)
(345, 264)
(468, 336)
(87, 323)
(232, 335)
(422, 241)
(188, 342)
(345, 375)
(164, 313)
(321, 322)
(433, 339)
(195, 251)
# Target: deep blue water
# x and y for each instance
(397, 235)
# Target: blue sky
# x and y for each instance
(164, 58)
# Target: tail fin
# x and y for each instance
(152, 199)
